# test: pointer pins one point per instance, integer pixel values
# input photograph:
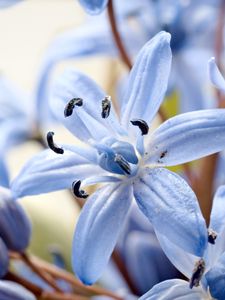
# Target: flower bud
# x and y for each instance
(15, 227)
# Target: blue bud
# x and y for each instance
(4, 258)
(15, 227)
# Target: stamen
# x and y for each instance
(212, 235)
(124, 165)
(76, 190)
(70, 106)
(52, 145)
(197, 273)
(143, 126)
(106, 106)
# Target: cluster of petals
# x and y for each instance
(128, 162)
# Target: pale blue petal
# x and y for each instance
(172, 208)
(148, 80)
(48, 171)
(94, 7)
(217, 223)
(101, 220)
(215, 75)
(146, 262)
(86, 121)
(216, 279)
(173, 290)
(4, 258)
(10, 290)
(181, 259)
(7, 3)
(187, 137)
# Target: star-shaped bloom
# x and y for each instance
(207, 273)
(122, 154)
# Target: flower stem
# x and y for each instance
(57, 273)
(46, 277)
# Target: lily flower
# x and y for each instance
(206, 274)
(118, 153)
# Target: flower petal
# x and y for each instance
(172, 208)
(148, 80)
(217, 217)
(187, 137)
(215, 75)
(10, 290)
(97, 230)
(94, 7)
(174, 289)
(216, 279)
(181, 259)
(86, 121)
(48, 171)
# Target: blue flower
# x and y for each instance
(122, 154)
(210, 283)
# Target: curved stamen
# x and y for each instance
(212, 235)
(76, 190)
(70, 106)
(143, 126)
(197, 273)
(122, 162)
(52, 145)
(106, 106)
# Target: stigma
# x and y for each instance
(76, 190)
(212, 235)
(106, 106)
(143, 126)
(52, 145)
(71, 105)
(197, 273)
